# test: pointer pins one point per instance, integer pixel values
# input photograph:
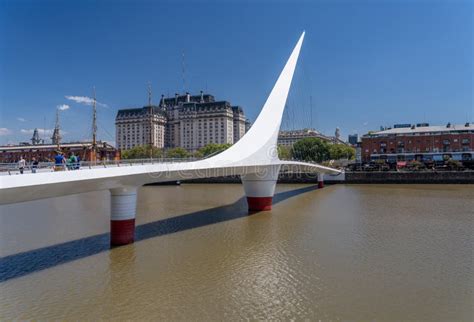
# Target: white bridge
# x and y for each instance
(254, 158)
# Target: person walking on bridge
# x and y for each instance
(72, 162)
(34, 165)
(21, 164)
(59, 162)
(78, 162)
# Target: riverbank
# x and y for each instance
(375, 177)
(420, 177)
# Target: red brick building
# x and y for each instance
(46, 152)
(419, 142)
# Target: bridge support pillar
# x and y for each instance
(123, 204)
(259, 188)
(320, 180)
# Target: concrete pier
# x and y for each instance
(123, 204)
(260, 187)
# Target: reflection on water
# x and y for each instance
(38, 259)
(385, 252)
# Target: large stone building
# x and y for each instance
(419, 142)
(239, 122)
(186, 121)
(132, 127)
(288, 138)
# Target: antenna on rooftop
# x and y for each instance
(150, 107)
(183, 72)
(149, 93)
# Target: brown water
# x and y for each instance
(346, 252)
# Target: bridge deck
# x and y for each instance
(19, 188)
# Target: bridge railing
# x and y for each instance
(13, 168)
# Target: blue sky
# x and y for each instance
(363, 63)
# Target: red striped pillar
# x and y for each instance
(320, 180)
(123, 203)
(259, 187)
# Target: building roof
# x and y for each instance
(140, 111)
(170, 101)
(206, 105)
(196, 102)
(304, 133)
(237, 109)
(299, 133)
(424, 129)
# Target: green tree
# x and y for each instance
(415, 165)
(341, 151)
(197, 154)
(311, 149)
(351, 152)
(284, 152)
(453, 164)
(141, 152)
(213, 148)
(178, 153)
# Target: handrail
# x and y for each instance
(13, 168)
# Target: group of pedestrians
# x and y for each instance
(61, 163)
(22, 165)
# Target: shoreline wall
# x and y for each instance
(458, 177)
(282, 178)
(452, 177)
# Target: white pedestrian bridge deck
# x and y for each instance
(45, 184)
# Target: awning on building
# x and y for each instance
(401, 164)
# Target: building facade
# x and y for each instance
(288, 138)
(353, 139)
(133, 126)
(239, 122)
(186, 121)
(418, 141)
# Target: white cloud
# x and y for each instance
(40, 131)
(63, 107)
(4, 131)
(84, 100)
(81, 99)
(21, 119)
(366, 123)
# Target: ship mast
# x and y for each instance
(94, 124)
(56, 135)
